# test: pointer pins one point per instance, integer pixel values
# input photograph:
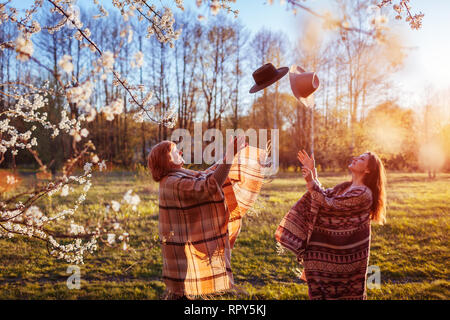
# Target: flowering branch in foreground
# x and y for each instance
(376, 24)
(20, 213)
(403, 10)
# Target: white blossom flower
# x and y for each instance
(66, 63)
(24, 48)
(215, 7)
(138, 60)
(127, 14)
(108, 113)
(179, 4)
(87, 32)
(32, 217)
(95, 159)
(107, 60)
(132, 200)
(111, 238)
(65, 191)
(74, 17)
(35, 26)
(115, 205)
(76, 229)
(10, 179)
(92, 113)
(80, 94)
(102, 166)
(76, 135)
(117, 106)
(87, 167)
(84, 132)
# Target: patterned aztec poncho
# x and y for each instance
(329, 231)
(199, 222)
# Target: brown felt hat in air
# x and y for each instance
(266, 75)
(303, 83)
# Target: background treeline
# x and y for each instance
(206, 77)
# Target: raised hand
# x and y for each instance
(306, 160)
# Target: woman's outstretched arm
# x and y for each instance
(310, 163)
(222, 170)
(357, 197)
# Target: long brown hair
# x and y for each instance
(376, 181)
(159, 161)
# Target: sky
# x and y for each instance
(428, 61)
(427, 64)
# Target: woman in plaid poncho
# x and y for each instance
(200, 216)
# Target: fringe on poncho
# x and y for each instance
(199, 222)
(329, 232)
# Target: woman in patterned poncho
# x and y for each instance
(329, 230)
(200, 216)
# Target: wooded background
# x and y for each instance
(206, 77)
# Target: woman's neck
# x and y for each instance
(357, 179)
(178, 168)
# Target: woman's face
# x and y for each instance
(359, 163)
(175, 156)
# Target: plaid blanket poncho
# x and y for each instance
(199, 222)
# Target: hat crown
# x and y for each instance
(264, 73)
(303, 83)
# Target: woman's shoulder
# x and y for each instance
(340, 188)
(184, 174)
(360, 191)
(347, 189)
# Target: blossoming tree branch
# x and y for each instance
(20, 213)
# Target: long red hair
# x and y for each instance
(159, 160)
(376, 181)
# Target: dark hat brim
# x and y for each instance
(281, 72)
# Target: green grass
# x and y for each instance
(411, 250)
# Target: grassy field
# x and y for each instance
(411, 250)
